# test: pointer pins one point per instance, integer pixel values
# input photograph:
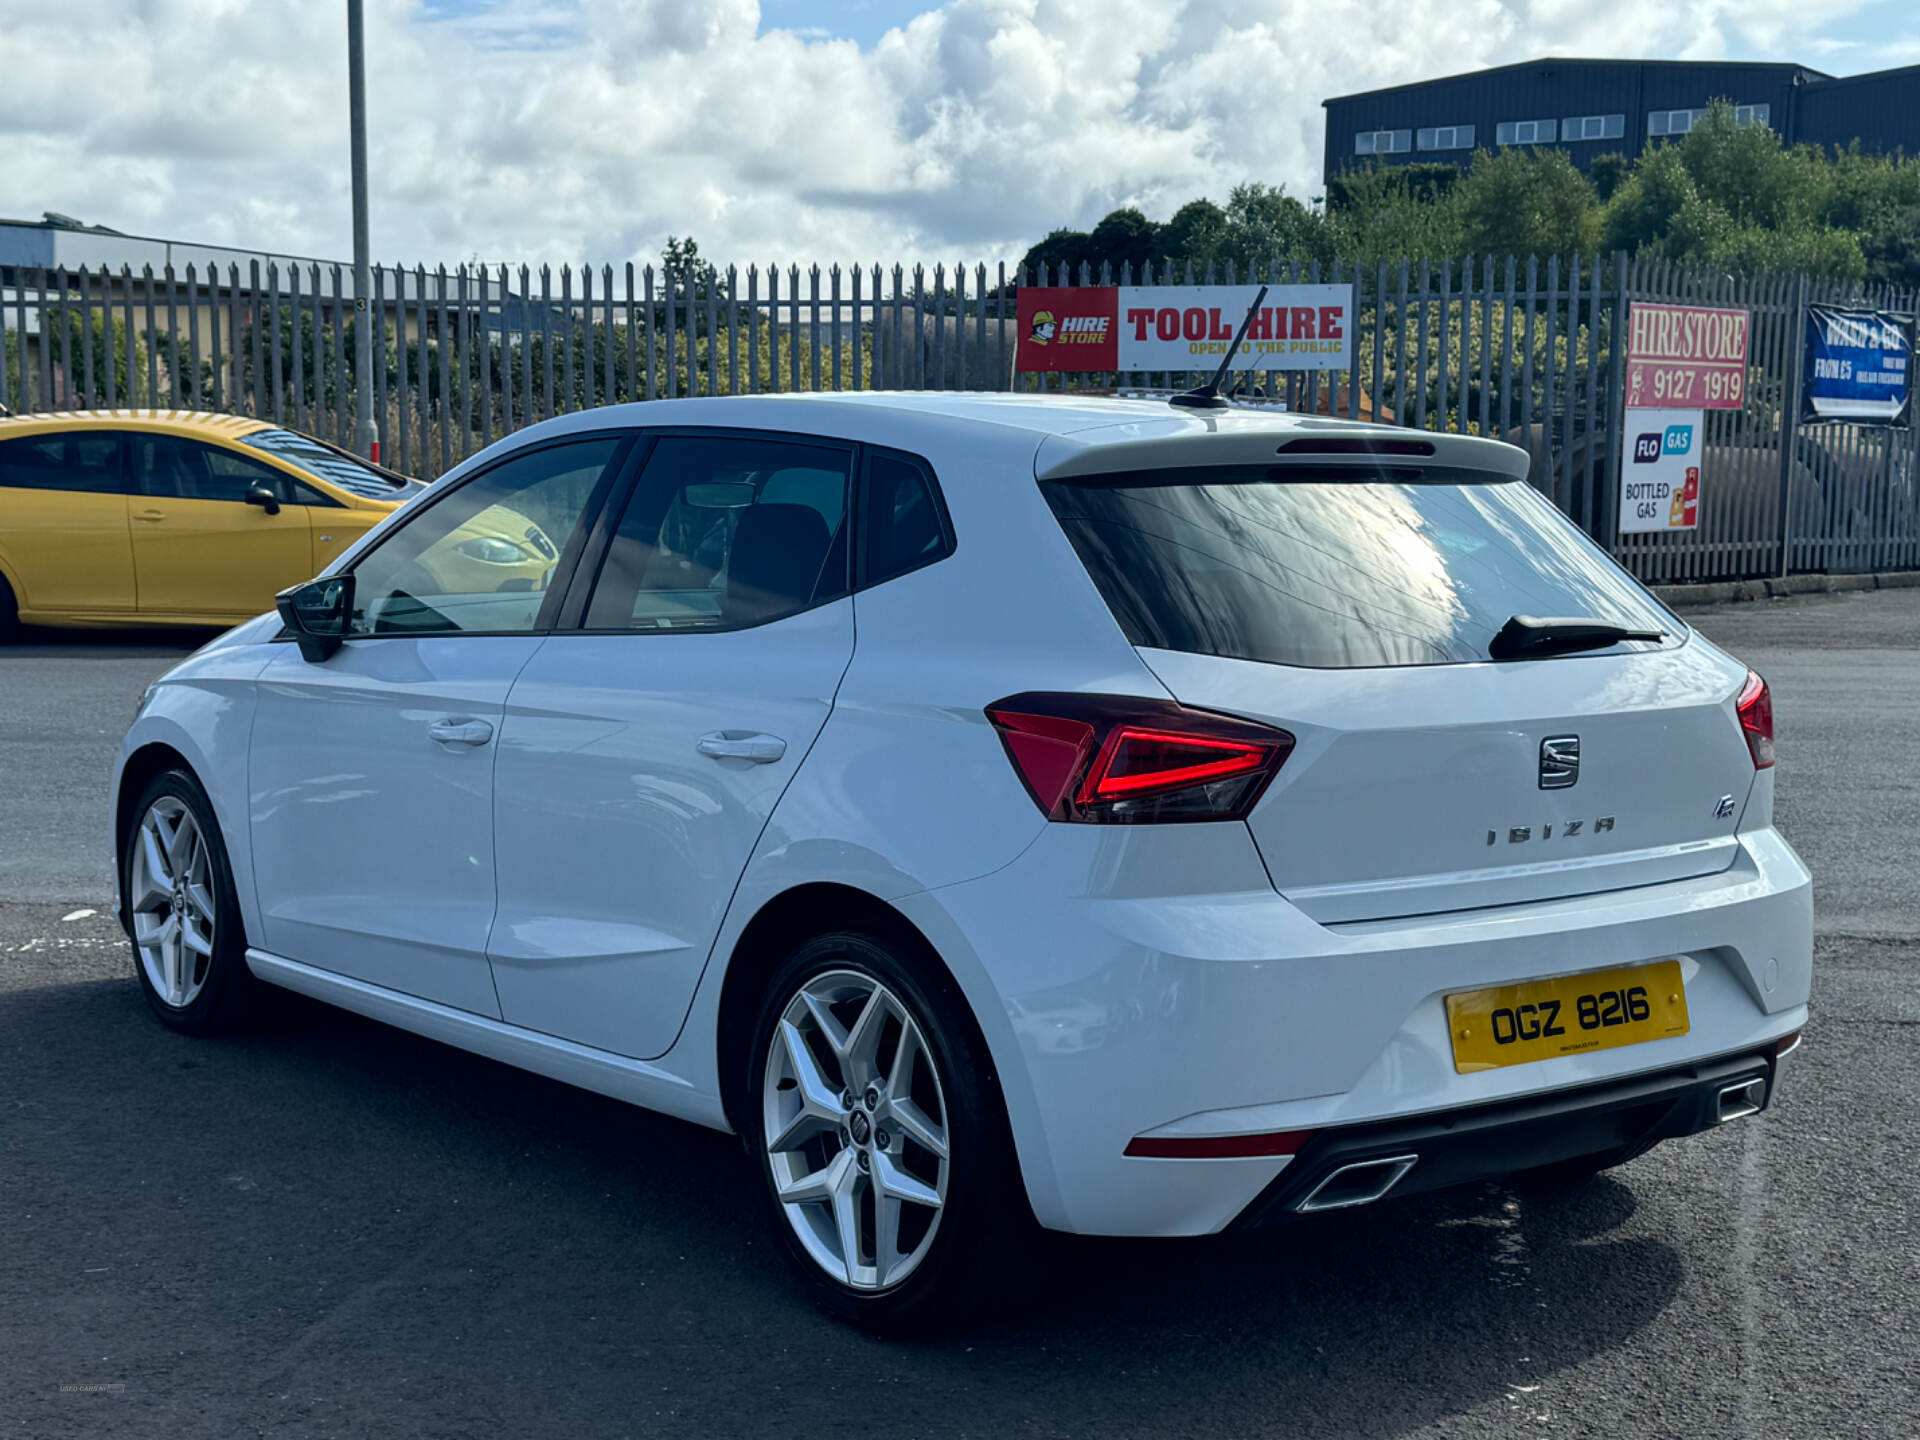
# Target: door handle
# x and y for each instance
(150, 516)
(760, 749)
(461, 730)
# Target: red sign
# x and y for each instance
(1068, 328)
(1686, 357)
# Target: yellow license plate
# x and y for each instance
(1539, 1019)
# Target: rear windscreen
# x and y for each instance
(1336, 567)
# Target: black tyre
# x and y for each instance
(9, 612)
(189, 947)
(879, 1130)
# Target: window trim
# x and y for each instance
(1427, 138)
(586, 578)
(857, 539)
(1391, 149)
(1514, 126)
(557, 593)
(1585, 139)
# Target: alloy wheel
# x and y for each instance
(856, 1129)
(170, 880)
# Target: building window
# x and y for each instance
(1593, 127)
(1526, 132)
(1681, 122)
(1382, 142)
(1447, 137)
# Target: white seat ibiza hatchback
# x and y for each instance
(1144, 820)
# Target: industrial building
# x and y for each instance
(1590, 108)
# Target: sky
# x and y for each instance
(849, 131)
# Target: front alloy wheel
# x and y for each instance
(855, 1126)
(182, 913)
(170, 900)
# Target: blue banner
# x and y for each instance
(1858, 366)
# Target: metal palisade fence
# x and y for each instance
(1524, 350)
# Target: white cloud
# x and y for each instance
(569, 129)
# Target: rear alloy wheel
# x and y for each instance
(879, 1132)
(188, 948)
(854, 1119)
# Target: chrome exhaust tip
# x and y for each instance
(1360, 1183)
(1736, 1102)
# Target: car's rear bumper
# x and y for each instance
(1359, 1164)
(1148, 981)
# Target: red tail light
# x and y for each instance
(1756, 719)
(1115, 759)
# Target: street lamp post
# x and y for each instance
(366, 438)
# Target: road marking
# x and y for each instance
(77, 915)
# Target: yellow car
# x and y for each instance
(170, 517)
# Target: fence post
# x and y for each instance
(1790, 421)
(1608, 510)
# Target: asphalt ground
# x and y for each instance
(325, 1227)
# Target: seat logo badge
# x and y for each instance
(1724, 810)
(1559, 762)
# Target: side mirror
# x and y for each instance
(263, 497)
(317, 613)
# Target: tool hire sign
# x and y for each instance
(1183, 327)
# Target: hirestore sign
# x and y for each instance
(1686, 355)
(1660, 470)
(1183, 327)
(1857, 366)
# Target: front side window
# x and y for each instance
(723, 532)
(172, 467)
(1336, 567)
(481, 559)
(87, 463)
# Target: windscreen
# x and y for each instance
(1336, 567)
(336, 467)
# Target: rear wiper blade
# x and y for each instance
(1527, 636)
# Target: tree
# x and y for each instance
(682, 265)
(1197, 232)
(1061, 247)
(1608, 173)
(1265, 226)
(1526, 202)
(1125, 237)
(1643, 208)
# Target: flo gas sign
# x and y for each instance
(1660, 470)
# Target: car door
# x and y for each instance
(642, 754)
(63, 523)
(200, 550)
(372, 773)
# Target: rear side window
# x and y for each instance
(84, 462)
(902, 523)
(723, 532)
(1335, 567)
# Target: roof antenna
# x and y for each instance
(1207, 396)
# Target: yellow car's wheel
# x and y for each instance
(9, 611)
